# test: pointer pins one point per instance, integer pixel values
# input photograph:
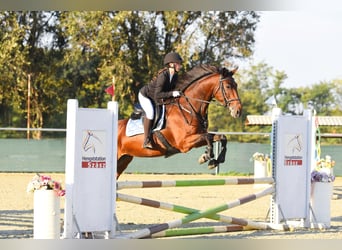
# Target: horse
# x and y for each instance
(186, 118)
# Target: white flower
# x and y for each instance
(43, 182)
(260, 156)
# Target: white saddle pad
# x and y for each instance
(136, 127)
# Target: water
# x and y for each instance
(48, 155)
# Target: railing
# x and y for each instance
(35, 129)
(325, 135)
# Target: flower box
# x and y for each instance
(321, 193)
(46, 215)
(46, 206)
(322, 179)
(261, 168)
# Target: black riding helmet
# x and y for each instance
(172, 57)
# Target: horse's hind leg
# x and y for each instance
(122, 164)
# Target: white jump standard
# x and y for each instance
(90, 170)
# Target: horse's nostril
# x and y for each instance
(238, 113)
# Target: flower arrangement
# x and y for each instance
(323, 170)
(325, 163)
(317, 176)
(260, 157)
(43, 182)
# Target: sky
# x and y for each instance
(306, 45)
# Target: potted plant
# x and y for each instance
(322, 179)
(262, 165)
(46, 207)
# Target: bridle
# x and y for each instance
(227, 101)
(224, 94)
(220, 87)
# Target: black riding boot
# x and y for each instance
(147, 133)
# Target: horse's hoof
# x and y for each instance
(212, 164)
(203, 158)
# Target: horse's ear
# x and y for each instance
(233, 71)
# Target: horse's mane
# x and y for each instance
(197, 73)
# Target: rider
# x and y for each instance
(161, 87)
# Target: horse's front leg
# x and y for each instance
(209, 153)
(222, 155)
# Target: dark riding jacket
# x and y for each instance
(160, 87)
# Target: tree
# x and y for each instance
(319, 97)
(337, 94)
(227, 35)
(42, 67)
(12, 77)
(130, 45)
(77, 54)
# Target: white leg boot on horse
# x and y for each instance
(148, 143)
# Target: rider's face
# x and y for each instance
(177, 66)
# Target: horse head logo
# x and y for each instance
(295, 144)
(90, 141)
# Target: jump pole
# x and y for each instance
(249, 224)
(199, 230)
(193, 183)
(147, 232)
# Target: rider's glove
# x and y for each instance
(176, 93)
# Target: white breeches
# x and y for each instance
(147, 106)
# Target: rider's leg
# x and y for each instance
(147, 133)
(147, 106)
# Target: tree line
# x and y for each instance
(78, 54)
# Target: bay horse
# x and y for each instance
(186, 118)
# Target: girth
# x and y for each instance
(170, 150)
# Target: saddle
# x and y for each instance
(135, 122)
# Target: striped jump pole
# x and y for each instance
(199, 230)
(193, 183)
(186, 210)
(147, 232)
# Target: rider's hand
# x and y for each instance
(176, 93)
